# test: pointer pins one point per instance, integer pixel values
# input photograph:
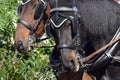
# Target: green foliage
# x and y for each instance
(14, 66)
(7, 20)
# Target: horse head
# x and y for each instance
(65, 22)
(33, 16)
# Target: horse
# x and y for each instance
(82, 27)
(33, 17)
(30, 26)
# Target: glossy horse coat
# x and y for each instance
(101, 19)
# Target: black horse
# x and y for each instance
(82, 27)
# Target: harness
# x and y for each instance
(88, 65)
(55, 61)
(107, 56)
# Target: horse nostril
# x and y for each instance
(20, 45)
(72, 63)
(19, 42)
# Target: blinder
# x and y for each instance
(40, 8)
(50, 28)
(74, 25)
(25, 2)
(50, 32)
(19, 9)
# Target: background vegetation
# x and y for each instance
(14, 66)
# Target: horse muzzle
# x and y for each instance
(71, 61)
(25, 46)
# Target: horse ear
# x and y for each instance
(19, 9)
(38, 10)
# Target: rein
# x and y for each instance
(100, 50)
(109, 49)
(36, 46)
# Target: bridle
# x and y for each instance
(33, 28)
(56, 62)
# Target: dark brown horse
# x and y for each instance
(30, 12)
(83, 27)
(64, 57)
